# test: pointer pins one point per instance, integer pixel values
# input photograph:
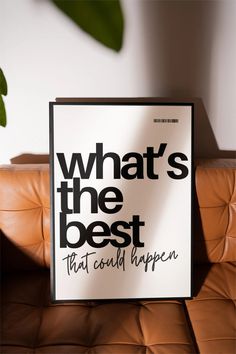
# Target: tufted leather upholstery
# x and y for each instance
(24, 211)
(212, 311)
(32, 324)
(216, 191)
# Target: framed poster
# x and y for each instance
(121, 199)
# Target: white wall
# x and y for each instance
(179, 49)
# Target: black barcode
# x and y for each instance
(165, 120)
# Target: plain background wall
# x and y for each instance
(180, 49)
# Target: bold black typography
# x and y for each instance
(110, 199)
(133, 164)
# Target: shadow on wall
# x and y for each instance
(179, 39)
(205, 144)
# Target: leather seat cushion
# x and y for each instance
(32, 324)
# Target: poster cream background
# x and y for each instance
(163, 204)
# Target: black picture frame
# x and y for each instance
(110, 102)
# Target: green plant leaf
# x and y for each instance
(3, 116)
(3, 84)
(102, 19)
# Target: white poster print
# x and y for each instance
(121, 200)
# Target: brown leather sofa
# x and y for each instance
(30, 323)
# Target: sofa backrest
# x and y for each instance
(215, 229)
(25, 214)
